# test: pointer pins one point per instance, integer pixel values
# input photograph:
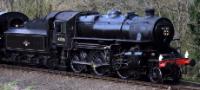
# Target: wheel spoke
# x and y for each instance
(155, 75)
(123, 72)
(102, 70)
(99, 65)
(78, 68)
(52, 63)
(34, 61)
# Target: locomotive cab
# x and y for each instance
(60, 32)
(63, 27)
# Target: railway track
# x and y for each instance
(182, 86)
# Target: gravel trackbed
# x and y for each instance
(33, 80)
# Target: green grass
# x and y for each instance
(192, 78)
(13, 86)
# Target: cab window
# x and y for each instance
(60, 27)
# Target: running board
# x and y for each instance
(90, 46)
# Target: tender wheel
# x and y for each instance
(52, 63)
(33, 61)
(123, 71)
(99, 64)
(40, 61)
(20, 59)
(75, 66)
(155, 75)
(1, 56)
(14, 58)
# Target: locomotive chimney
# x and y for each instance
(150, 12)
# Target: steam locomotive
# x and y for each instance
(128, 45)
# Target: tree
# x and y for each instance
(194, 12)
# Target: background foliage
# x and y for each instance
(183, 13)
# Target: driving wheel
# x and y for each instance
(155, 75)
(99, 61)
(76, 67)
(123, 71)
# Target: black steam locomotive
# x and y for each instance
(126, 44)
